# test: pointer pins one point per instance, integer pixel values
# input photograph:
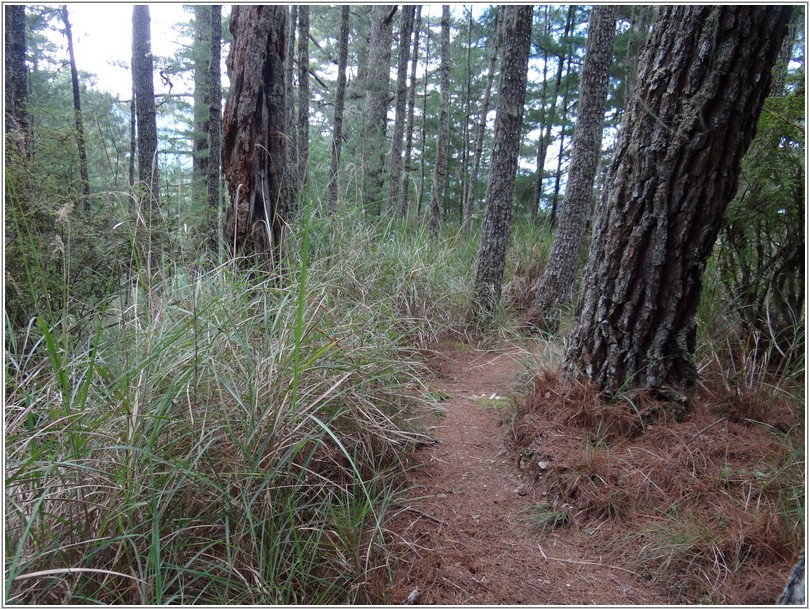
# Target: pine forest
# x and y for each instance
(404, 304)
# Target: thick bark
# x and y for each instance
(254, 150)
(15, 69)
(406, 175)
(340, 96)
(443, 137)
(142, 74)
(77, 110)
(201, 51)
(469, 198)
(376, 106)
(702, 80)
(554, 290)
(303, 96)
(292, 116)
(517, 31)
(395, 163)
(214, 110)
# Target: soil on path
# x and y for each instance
(465, 535)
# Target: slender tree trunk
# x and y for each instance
(375, 114)
(540, 164)
(16, 71)
(554, 290)
(77, 110)
(472, 184)
(292, 117)
(340, 95)
(545, 140)
(406, 176)
(133, 139)
(142, 74)
(702, 80)
(420, 194)
(517, 32)
(254, 143)
(465, 138)
(440, 169)
(214, 115)
(201, 52)
(555, 196)
(395, 163)
(303, 97)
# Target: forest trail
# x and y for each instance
(464, 536)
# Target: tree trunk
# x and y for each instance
(292, 116)
(214, 115)
(465, 137)
(254, 142)
(303, 97)
(142, 74)
(517, 32)
(16, 71)
(558, 278)
(340, 95)
(702, 80)
(77, 110)
(469, 200)
(201, 55)
(440, 169)
(420, 194)
(395, 169)
(406, 175)
(548, 117)
(375, 115)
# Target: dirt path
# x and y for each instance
(465, 537)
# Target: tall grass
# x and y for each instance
(225, 437)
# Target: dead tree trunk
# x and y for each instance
(254, 151)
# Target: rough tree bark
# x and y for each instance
(517, 32)
(702, 80)
(395, 163)
(443, 137)
(142, 74)
(376, 105)
(254, 149)
(340, 97)
(406, 175)
(77, 110)
(303, 97)
(15, 70)
(214, 114)
(554, 290)
(469, 198)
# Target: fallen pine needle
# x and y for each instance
(587, 563)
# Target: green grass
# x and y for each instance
(222, 437)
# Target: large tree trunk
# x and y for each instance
(517, 32)
(554, 290)
(340, 96)
(375, 115)
(443, 137)
(254, 151)
(472, 184)
(214, 116)
(702, 80)
(142, 74)
(77, 110)
(406, 175)
(395, 164)
(303, 97)
(15, 70)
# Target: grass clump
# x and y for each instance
(222, 439)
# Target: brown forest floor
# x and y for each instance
(466, 536)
